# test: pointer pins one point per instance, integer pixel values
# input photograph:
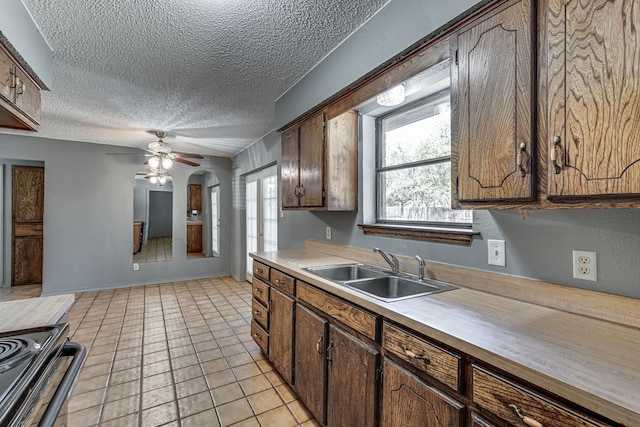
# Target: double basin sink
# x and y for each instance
(381, 284)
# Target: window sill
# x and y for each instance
(454, 236)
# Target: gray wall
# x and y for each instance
(89, 210)
(18, 27)
(538, 247)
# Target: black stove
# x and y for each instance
(29, 362)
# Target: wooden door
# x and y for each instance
(310, 360)
(194, 238)
(312, 162)
(27, 220)
(594, 98)
(281, 334)
(290, 168)
(493, 94)
(407, 401)
(351, 381)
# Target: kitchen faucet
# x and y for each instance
(421, 266)
(393, 262)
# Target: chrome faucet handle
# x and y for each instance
(396, 264)
(421, 266)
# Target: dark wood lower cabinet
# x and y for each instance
(310, 359)
(351, 381)
(408, 401)
(281, 333)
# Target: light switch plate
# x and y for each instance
(496, 249)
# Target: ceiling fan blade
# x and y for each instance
(186, 162)
(126, 154)
(187, 156)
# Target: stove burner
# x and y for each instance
(14, 350)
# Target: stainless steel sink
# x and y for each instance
(343, 273)
(394, 288)
(380, 284)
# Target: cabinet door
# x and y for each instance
(290, 168)
(28, 96)
(351, 381)
(312, 162)
(310, 358)
(6, 68)
(195, 197)
(594, 98)
(281, 334)
(492, 92)
(407, 401)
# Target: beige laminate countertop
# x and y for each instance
(591, 362)
(33, 312)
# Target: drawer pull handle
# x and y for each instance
(259, 270)
(259, 290)
(318, 346)
(415, 356)
(526, 420)
(329, 359)
(278, 281)
(257, 313)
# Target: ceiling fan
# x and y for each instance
(162, 158)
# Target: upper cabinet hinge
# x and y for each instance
(379, 373)
(456, 58)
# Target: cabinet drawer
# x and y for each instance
(343, 311)
(497, 395)
(260, 314)
(261, 271)
(438, 363)
(283, 282)
(261, 292)
(260, 337)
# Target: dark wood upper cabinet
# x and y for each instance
(493, 62)
(319, 163)
(19, 95)
(594, 98)
(194, 195)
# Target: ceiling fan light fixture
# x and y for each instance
(167, 163)
(153, 179)
(154, 162)
(162, 179)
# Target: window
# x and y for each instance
(262, 213)
(215, 220)
(413, 165)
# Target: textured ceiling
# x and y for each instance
(207, 71)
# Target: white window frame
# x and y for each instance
(257, 210)
(379, 169)
(215, 219)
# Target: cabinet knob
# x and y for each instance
(318, 345)
(555, 155)
(257, 313)
(259, 290)
(522, 158)
(412, 355)
(525, 419)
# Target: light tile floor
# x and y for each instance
(177, 354)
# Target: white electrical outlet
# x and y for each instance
(496, 249)
(136, 266)
(328, 233)
(585, 265)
